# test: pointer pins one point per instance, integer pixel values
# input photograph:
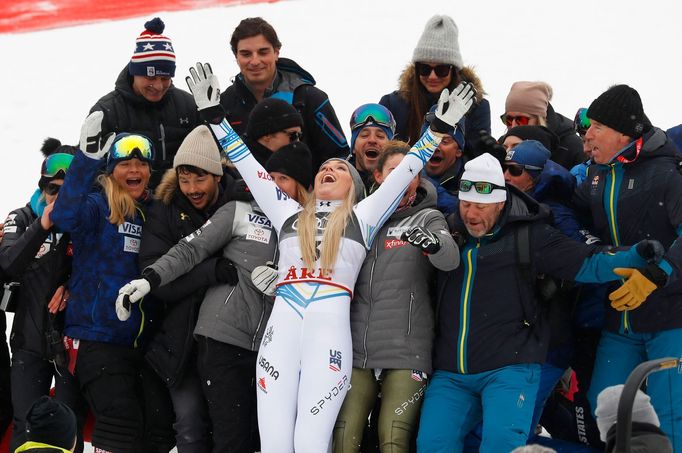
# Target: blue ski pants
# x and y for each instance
(619, 353)
(503, 399)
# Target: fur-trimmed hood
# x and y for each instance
(467, 74)
(166, 189)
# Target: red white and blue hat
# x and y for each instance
(154, 55)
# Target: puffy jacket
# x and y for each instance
(170, 219)
(487, 314)
(105, 257)
(477, 119)
(391, 315)
(40, 261)
(639, 200)
(238, 314)
(166, 122)
(321, 129)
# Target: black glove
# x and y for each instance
(488, 144)
(650, 250)
(422, 238)
(225, 272)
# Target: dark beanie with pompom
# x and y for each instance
(154, 54)
(52, 146)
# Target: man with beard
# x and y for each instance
(445, 168)
(372, 126)
(491, 338)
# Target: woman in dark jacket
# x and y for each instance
(436, 64)
(528, 104)
(105, 228)
(391, 316)
(37, 255)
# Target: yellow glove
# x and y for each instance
(633, 292)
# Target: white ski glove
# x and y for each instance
(130, 293)
(452, 107)
(92, 143)
(205, 88)
(265, 278)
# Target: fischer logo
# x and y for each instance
(393, 243)
(263, 363)
(261, 385)
(330, 396)
(335, 360)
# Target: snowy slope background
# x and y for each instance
(356, 50)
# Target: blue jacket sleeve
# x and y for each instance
(74, 211)
(557, 255)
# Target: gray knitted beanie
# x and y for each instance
(438, 43)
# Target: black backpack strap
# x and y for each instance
(527, 279)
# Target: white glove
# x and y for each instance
(453, 106)
(205, 88)
(130, 293)
(265, 278)
(92, 143)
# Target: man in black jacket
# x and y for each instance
(633, 191)
(145, 101)
(188, 195)
(264, 74)
(491, 338)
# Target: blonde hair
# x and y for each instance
(302, 194)
(121, 204)
(333, 232)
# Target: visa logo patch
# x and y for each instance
(130, 229)
(256, 219)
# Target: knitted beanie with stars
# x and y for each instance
(154, 55)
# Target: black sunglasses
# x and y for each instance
(441, 70)
(52, 188)
(294, 136)
(517, 170)
(482, 187)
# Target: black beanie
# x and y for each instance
(51, 422)
(293, 160)
(540, 133)
(619, 108)
(272, 115)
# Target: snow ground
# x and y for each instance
(356, 51)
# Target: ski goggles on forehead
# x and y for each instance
(372, 114)
(132, 146)
(55, 163)
(482, 187)
(581, 123)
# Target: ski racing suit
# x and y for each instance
(305, 359)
